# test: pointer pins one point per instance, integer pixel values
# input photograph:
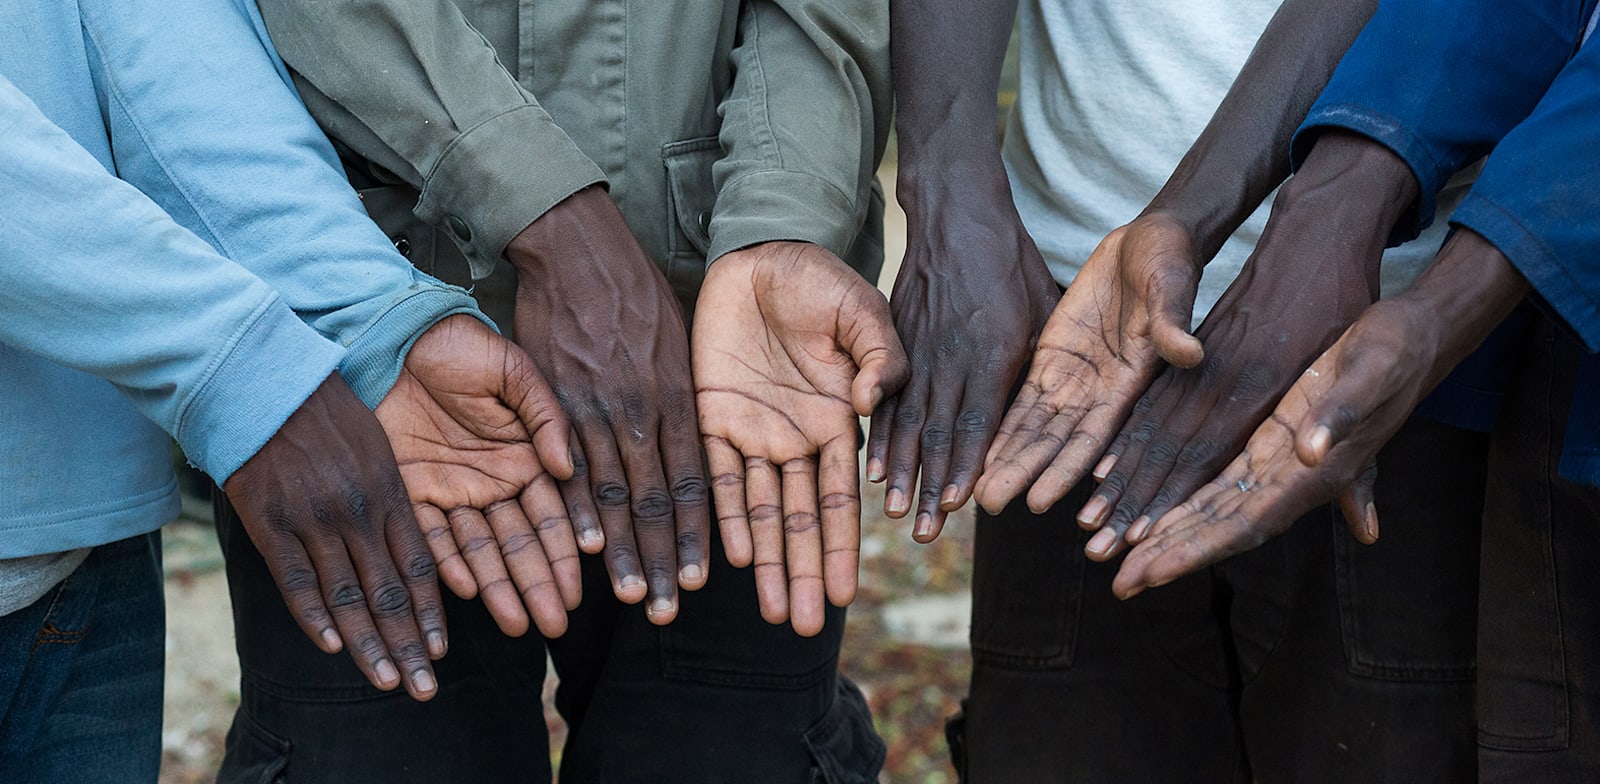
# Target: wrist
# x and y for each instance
(1354, 180)
(571, 225)
(1470, 288)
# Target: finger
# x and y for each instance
(764, 504)
(938, 437)
(481, 549)
(1137, 488)
(578, 496)
(344, 594)
(690, 502)
(1040, 436)
(654, 522)
(301, 585)
(802, 537)
(1134, 440)
(540, 412)
(453, 570)
(982, 405)
(878, 442)
(528, 567)
(905, 444)
(1358, 502)
(1021, 412)
(410, 614)
(1075, 450)
(542, 505)
(609, 486)
(841, 521)
(727, 488)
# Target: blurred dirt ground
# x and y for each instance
(905, 646)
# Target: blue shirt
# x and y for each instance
(179, 254)
(1445, 83)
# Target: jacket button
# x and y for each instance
(403, 245)
(459, 228)
(705, 223)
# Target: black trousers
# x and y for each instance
(1310, 659)
(718, 696)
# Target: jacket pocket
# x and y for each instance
(254, 755)
(691, 197)
(1027, 586)
(844, 747)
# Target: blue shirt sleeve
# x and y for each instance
(1440, 82)
(95, 277)
(1538, 198)
(203, 118)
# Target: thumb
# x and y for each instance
(866, 333)
(526, 391)
(1169, 300)
(1352, 397)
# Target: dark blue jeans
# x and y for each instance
(718, 696)
(1310, 659)
(81, 673)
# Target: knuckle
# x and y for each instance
(410, 652)
(516, 543)
(908, 416)
(611, 495)
(689, 490)
(800, 523)
(391, 599)
(936, 438)
(652, 504)
(1162, 452)
(345, 594)
(974, 420)
(357, 504)
(370, 646)
(297, 579)
(419, 566)
(690, 541)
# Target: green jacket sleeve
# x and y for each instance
(803, 124)
(411, 86)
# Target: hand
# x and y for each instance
(969, 303)
(1127, 310)
(1314, 270)
(480, 440)
(790, 346)
(605, 329)
(325, 505)
(1327, 430)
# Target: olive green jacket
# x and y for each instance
(716, 124)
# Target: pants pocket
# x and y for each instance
(1408, 604)
(844, 747)
(1027, 586)
(254, 755)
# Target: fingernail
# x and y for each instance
(924, 527)
(1372, 521)
(897, 502)
(1101, 542)
(590, 539)
(631, 582)
(437, 647)
(660, 607)
(951, 493)
(1091, 513)
(1102, 468)
(331, 639)
(1140, 526)
(874, 470)
(690, 573)
(387, 674)
(1321, 436)
(422, 682)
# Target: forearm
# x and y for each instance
(789, 174)
(1243, 153)
(412, 86)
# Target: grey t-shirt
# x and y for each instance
(24, 580)
(1112, 93)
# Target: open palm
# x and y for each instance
(790, 345)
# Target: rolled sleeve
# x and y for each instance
(413, 87)
(804, 124)
(1440, 82)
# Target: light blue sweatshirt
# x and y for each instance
(179, 254)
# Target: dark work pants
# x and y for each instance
(1539, 687)
(1310, 659)
(718, 696)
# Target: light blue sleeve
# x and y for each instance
(204, 120)
(94, 276)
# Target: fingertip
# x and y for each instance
(630, 589)
(1313, 448)
(1102, 546)
(661, 611)
(329, 640)
(1178, 347)
(692, 577)
(875, 473)
(591, 541)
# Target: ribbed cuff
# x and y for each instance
(375, 355)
